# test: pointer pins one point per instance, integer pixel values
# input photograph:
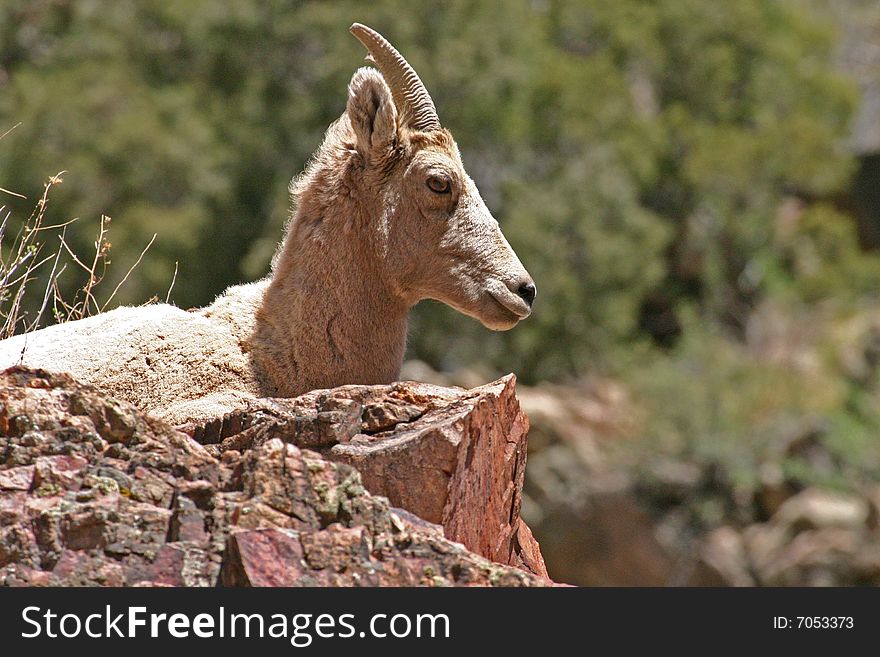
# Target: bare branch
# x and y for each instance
(125, 278)
(10, 130)
(11, 193)
(173, 280)
(52, 278)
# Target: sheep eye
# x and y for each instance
(438, 185)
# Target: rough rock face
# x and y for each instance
(449, 456)
(94, 492)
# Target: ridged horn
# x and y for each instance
(410, 95)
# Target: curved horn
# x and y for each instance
(410, 95)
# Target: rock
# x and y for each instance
(95, 493)
(723, 561)
(816, 538)
(450, 456)
(816, 508)
(812, 558)
(773, 488)
(460, 464)
(17, 478)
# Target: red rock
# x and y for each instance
(20, 575)
(166, 569)
(118, 498)
(262, 557)
(79, 567)
(85, 530)
(323, 549)
(17, 478)
(453, 457)
(63, 470)
(18, 545)
(529, 552)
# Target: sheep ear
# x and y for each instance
(372, 112)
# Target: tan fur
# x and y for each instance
(367, 240)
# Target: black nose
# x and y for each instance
(527, 291)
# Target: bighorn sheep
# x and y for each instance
(384, 216)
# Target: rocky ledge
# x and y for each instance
(407, 484)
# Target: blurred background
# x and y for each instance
(694, 185)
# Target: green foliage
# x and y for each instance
(824, 259)
(751, 418)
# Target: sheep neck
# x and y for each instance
(329, 315)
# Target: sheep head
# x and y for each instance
(437, 239)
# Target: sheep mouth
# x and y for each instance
(513, 306)
(492, 309)
(497, 314)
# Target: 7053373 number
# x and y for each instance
(825, 622)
